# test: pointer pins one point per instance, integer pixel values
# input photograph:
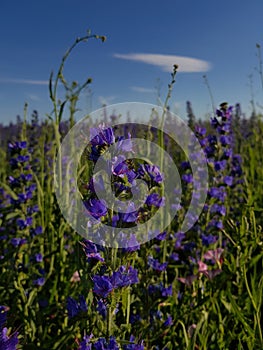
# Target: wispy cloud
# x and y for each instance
(166, 62)
(142, 89)
(33, 97)
(24, 81)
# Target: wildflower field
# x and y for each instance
(164, 288)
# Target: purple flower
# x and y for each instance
(188, 178)
(218, 209)
(36, 231)
(91, 251)
(166, 291)
(218, 193)
(74, 307)
(96, 208)
(179, 236)
(101, 308)
(17, 241)
(100, 136)
(225, 140)
(227, 153)
(155, 199)
(200, 130)
(101, 344)
(22, 224)
(130, 244)
(102, 285)
(168, 321)
(38, 257)
(39, 281)
(156, 265)
(152, 171)
(161, 236)
(120, 169)
(85, 344)
(208, 239)
(31, 210)
(124, 277)
(27, 177)
(220, 165)
(133, 346)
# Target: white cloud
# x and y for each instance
(24, 81)
(166, 62)
(33, 97)
(142, 89)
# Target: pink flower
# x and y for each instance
(188, 281)
(75, 277)
(202, 267)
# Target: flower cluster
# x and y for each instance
(7, 341)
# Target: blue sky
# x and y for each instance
(144, 40)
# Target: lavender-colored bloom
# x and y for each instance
(23, 197)
(102, 285)
(125, 145)
(166, 291)
(98, 181)
(133, 346)
(216, 224)
(14, 182)
(101, 344)
(39, 281)
(74, 307)
(152, 171)
(161, 236)
(101, 308)
(8, 342)
(22, 159)
(17, 146)
(188, 178)
(91, 251)
(26, 177)
(225, 140)
(155, 199)
(218, 193)
(179, 236)
(130, 244)
(168, 321)
(22, 224)
(36, 231)
(38, 257)
(175, 257)
(124, 277)
(185, 165)
(156, 265)
(130, 216)
(85, 344)
(208, 239)
(228, 153)
(32, 210)
(218, 209)
(94, 154)
(96, 208)
(200, 130)
(220, 165)
(120, 169)
(17, 241)
(102, 136)
(212, 139)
